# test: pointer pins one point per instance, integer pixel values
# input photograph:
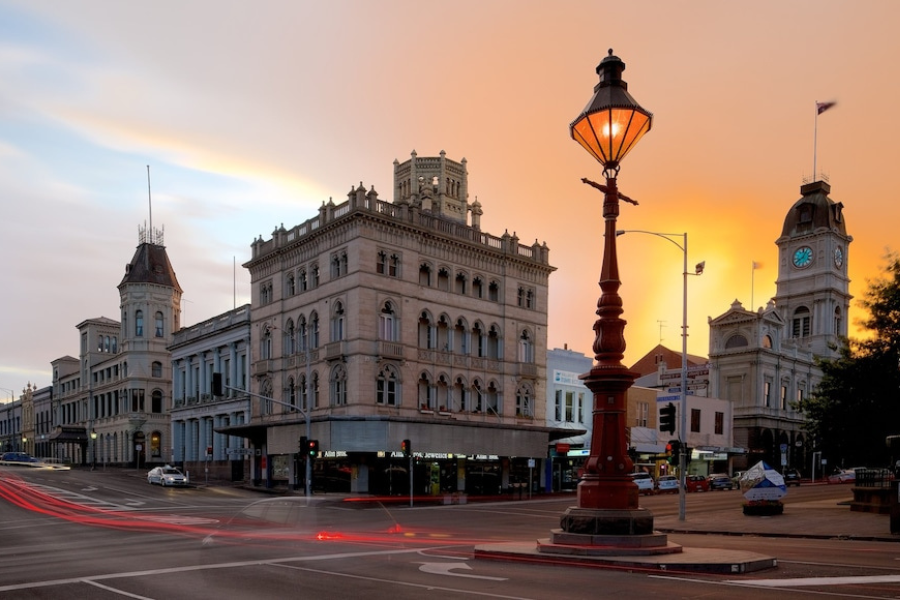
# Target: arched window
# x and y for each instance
(493, 343)
(315, 389)
(494, 292)
(736, 341)
(337, 322)
(443, 280)
(492, 399)
(314, 330)
(291, 393)
(526, 347)
(106, 343)
(525, 401)
(338, 386)
(426, 331)
(801, 324)
(461, 337)
(302, 281)
(304, 393)
(838, 322)
(477, 399)
(460, 395)
(156, 402)
(156, 369)
(139, 323)
(387, 324)
(443, 334)
(114, 345)
(302, 334)
(479, 341)
(461, 287)
(159, 324)
(478, 287)
(426, 393)
(290, 338)
(388, 387)
(425, 275)
(291, 284)
(265, 404)
(265, 344)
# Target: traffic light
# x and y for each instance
(217, 384)
(312, 448)
(302, 445)
(667, 418)
(673, 451)
(406, 447)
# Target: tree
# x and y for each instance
(857, 404)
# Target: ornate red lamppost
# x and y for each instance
(608, 128)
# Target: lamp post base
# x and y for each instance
(607, 532)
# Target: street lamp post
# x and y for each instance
(682, 428)
(608, 128)
(93, 449)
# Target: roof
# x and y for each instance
(650, 362)
(814, 211)
(150, 264)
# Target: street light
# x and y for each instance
(682, 429)
(608, 128)
(93, 449)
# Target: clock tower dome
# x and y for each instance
(812, 289)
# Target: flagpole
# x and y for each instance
(815, 139)
(752, 278)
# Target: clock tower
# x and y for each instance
(812, 289)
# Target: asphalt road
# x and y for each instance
(83, 534)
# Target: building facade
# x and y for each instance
(110, 405)
(217, 345)
(390, 321)
(763, 361)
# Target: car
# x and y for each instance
(667, 484)
(736, 478)
(720, 481)
(696, 483)
(791, 477)
(843, 476)
(18, 457)
(644, 482)
(166, 476)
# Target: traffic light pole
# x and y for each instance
(307, 486)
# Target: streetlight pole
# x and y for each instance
(608, 128)
(682, 428)
(93, 449)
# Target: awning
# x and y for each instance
(69, 435)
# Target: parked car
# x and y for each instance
(720, 481)
(791, 477)
(667, 484)
(166, 476)
(644, 482)
(843, 476)
(696, 483)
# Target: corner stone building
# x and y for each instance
(764, 361)
(399, 320)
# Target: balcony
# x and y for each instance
(335, 351)
(262, 367)
(390, 349)
(527, 370)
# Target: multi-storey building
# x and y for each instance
(385, 321)
(217, 345)
(763, 361)
(110, 403)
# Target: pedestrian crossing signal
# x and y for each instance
(406, 448)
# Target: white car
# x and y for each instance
(644, 482)
(166, 476)
(667, 484)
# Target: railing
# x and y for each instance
(873, 478)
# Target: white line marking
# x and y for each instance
(810, 581)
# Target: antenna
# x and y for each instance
(149, 198)
(661, 325)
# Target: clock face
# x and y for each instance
(838, 257)
(803, 257)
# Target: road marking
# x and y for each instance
(444, 569)
(811, 581)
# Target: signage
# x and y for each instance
(530, 463)
(566, 378)
(563, 448)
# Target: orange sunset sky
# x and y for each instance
(252, 114)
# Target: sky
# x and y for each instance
(250, 115)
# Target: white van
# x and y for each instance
(644, 482)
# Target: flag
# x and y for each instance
(757, 265)
(823, 106)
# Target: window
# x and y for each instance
(526, 347)
(265, 344)
(838, 322)
(156, 369)
(478, 337)
(557, 406)
(643, 414)
(801, 323)
(783, 402)
(460, 285)
(338, 264)
(304, 393)
(695, 420)
(460, 338)
(314, 330)
(137, 400)
(315, 390)
(159, 324)
(425, 275)
(394, 266)
(156, 402)
(337, 322)
(314, 276)
(520, 299)
(139, 323)
(494, 292)
(736, 341)
(529, 299)
(524, 401)
(767, 394)
(720, 423)
(387, 387)
(381, 264)
(459, 395)
(292, 393)
(265, 404)
(290, 338)
(477, 397)
(426, 393)
(570, 407)
(426, 332)
(443, 281)
(387, 324)
(493, 343)
(291, 284)
(478, 288)
(302, 282)
(265, 292)
(492, 399)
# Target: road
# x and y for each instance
(83, 534)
